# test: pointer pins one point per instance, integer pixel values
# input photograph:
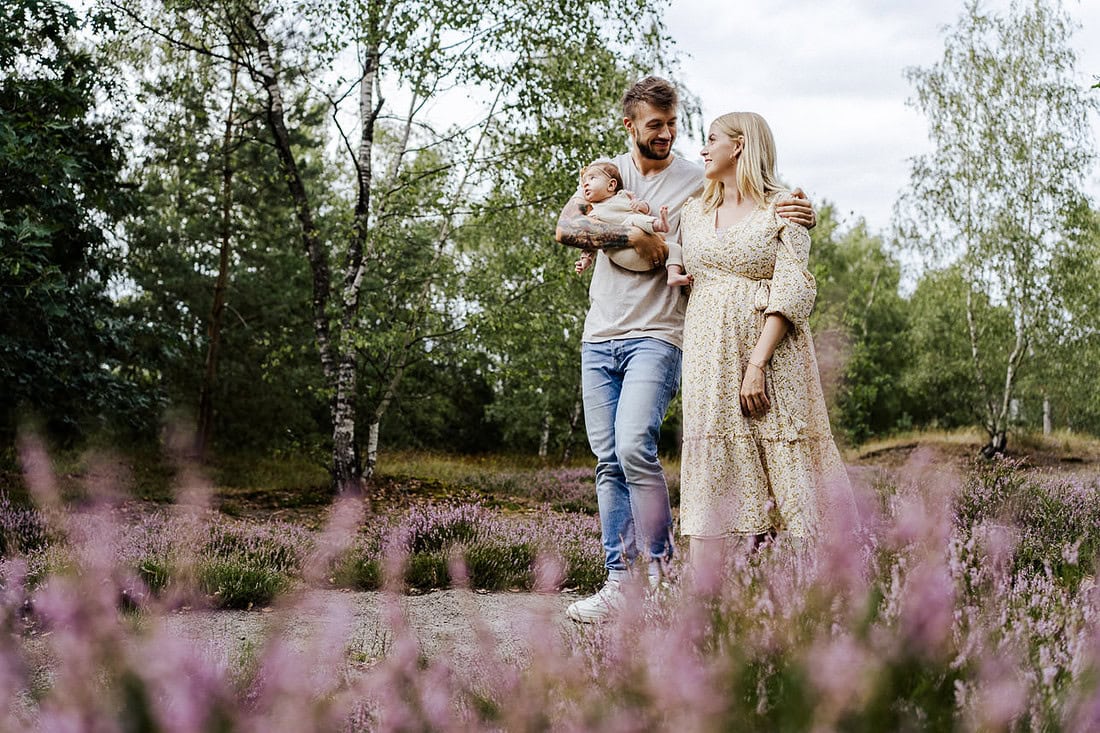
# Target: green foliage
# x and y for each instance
(997, 196)
(268, 391)
(65, 350)
(1065, 375)
(940, 378)
(358, 571)
(861, 324)
(426, 571)
(241, 584)
(155, 572)
(585, 572)
(500, 567)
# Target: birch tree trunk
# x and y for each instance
(339, 375)
(544, 436)
(217, 309)
(376, 421)
(574, 421)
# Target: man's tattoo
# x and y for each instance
(580, 231)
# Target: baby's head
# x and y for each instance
(600, 180)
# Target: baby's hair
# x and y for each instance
(609, 169)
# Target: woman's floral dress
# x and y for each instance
(743, 475)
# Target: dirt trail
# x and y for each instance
(449, 621)
(446, 622)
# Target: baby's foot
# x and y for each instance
(660, 223)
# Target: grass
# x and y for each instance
(961, 437)
(1060, 445)
(242, 585)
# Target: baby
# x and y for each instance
(602, 186)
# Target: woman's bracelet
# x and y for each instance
(758, 365)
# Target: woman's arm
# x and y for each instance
(754, 400)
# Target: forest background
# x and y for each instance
(241, 217)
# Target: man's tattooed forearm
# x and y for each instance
(584, 233)
(596, 235)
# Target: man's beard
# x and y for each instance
(646, 151)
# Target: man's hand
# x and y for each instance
(797, 209)
(650, 247)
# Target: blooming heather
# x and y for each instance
(959, 602)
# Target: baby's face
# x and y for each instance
(597, 186)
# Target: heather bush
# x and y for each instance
(931, 616)
(155, 573)
(1055, 522)
(500, 566)
(358, 570)
(22, 529)
(425, 571)
(239, 583)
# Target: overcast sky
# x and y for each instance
(828, 77)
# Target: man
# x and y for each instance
(630, 351)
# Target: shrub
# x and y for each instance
(242, 585)
(585, 572)
(278, 546)
(426, 571)
(155, 572)
(22, 529)
(358, 571)
(500, 567)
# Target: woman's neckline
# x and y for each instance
(722, 230)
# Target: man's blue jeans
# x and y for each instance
(627, 386)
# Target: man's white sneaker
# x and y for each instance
(598, 607)
(659, 586)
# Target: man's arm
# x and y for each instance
(798, 209)
(576, 229)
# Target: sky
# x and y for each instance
(828, 75)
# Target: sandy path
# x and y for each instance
(445, 622)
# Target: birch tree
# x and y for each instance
(505, 63)
(1009, 129)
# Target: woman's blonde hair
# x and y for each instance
(756, 177)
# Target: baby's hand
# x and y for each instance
(584, 262)
(637, 205)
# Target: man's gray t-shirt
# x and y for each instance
(627, 304)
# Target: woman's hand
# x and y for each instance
(754, 402)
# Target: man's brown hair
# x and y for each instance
(652, 89)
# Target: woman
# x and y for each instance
(758, 454)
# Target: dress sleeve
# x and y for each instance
(676, 247)
(793, 288)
